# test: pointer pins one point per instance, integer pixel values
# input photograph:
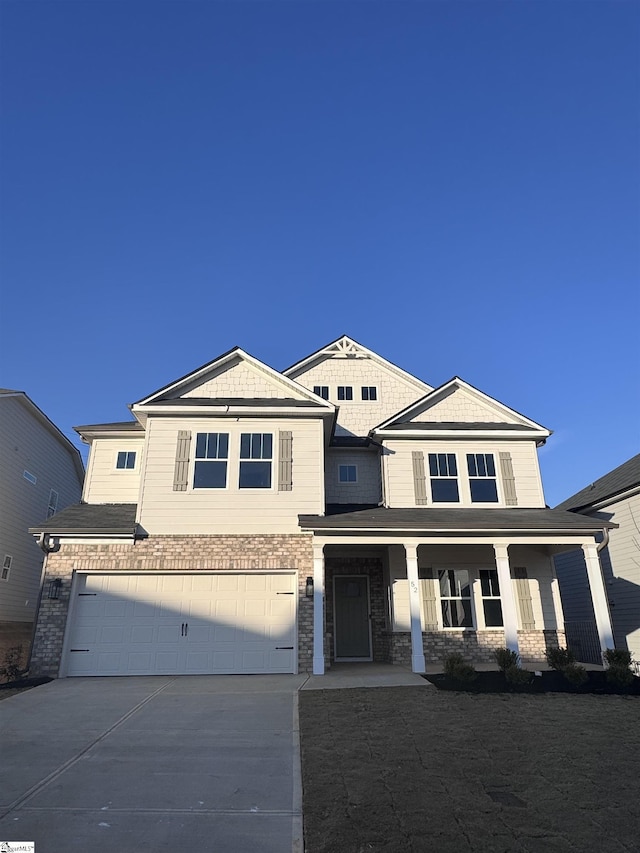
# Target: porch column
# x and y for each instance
(598, 596)
(509, 607)
(318, 610)
(417, 649)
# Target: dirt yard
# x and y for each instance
(411, 770)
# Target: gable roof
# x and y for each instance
(616, 482)
(57, 433)
(507, 419)
(294, 394)
(92, 519)
(347, 347)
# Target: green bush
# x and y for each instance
(619, 676)
(457, 668)
(575, 674)
(618, 658)
(517, 677)
(559, 658)
(12, 668)
(506, 659)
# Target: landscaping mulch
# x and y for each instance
(411, 769)
(10, 688)
(546, 682)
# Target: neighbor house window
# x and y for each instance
(321, 391)
(482, 477)
(53, 503)
(212, 452)
(345, 392)
(443, 471)
(369, 392)
(491, 603)
(31, 478)
(255, 460)
(455, 598)
(348, 473)
(126, 460)
(6, 567)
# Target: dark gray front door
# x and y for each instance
(352, 627)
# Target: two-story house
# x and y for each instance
(41, 472)
(248, 520)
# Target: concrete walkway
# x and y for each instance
(201, 763)
(342, 676)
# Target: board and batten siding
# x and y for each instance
(367, 489)
(398, 462)
(163, 510)
(27, 445)
(104, 482)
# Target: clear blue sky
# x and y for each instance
(455, 185)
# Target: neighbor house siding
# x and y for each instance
(107, 484)
(26, 444)
(367, 489)
(230, 510)
(398, 464)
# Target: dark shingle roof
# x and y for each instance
(464, 519)
(109, 519)
(117, 426)
(352, 441)
(432, 425)
(238, 401)
(624, 477)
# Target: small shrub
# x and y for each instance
(457, 668)
(619, 676)
(517, 677)
(506, 659)
(575, 674)
(618, 658)
(12, 668)
(559, 658)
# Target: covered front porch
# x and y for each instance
(410, 601)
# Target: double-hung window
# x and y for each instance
(455, 598)
(443, 471)
(491, 604)
(126, 460)
(482, 478)
(212, 452)
(345, 392)
(256, 453)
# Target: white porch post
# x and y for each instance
(417, 649)
(318, 610)
(598, 595)
(509, 609)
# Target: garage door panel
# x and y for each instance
(182, 623)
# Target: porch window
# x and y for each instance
(256, 454)
(455, 598)
(482, 477)
(491, 604)
(443, 471)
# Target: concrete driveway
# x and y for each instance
(193, 763)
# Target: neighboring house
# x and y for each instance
(614, 498)
(249, 520)
(41, 472)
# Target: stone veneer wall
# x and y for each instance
(172, 553)
(476, 646)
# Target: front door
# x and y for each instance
(351, 618)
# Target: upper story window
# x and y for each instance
(321, 391)
(126, 460)
(443, 471)
(53, 503)
(6, 567)
(345, 392)
(212, 452)
(369, 392)
(455, 598)
(348, 473)
(482, 477)
(256, 453)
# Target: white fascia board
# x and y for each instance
(425, 536)
(235, 411)
(386, 434)
(89, 435)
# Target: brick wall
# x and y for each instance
(172, 553)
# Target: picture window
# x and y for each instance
(348, 473)
(126, 460)
(345, 392)
(369, 392)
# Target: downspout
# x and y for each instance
(605, 540)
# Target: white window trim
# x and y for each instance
(273, 461)
(193, 460)
(477, 599)
(347, 482)
(377, 400)
(126, 470)
(468, 478)
(458, 479)
(345, 400)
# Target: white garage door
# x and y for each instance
(182, 623)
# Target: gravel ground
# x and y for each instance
(407, 770)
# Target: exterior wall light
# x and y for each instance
(54, 589)
(309, 588)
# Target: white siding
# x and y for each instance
(624, 554)
(107, 484)
(463, 407)
(367, 489)
(357, 417)
(238, 379)
(230, 510)
(26, 444)
(399, 469)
